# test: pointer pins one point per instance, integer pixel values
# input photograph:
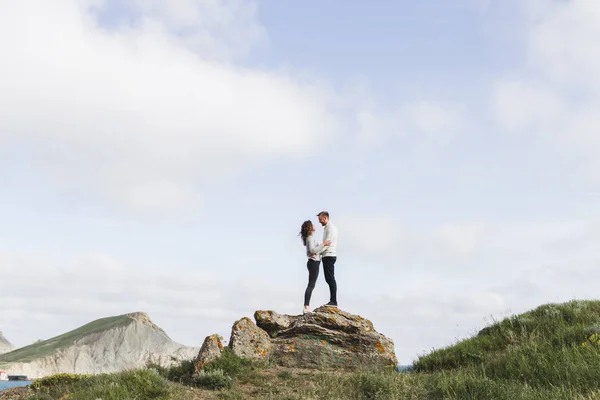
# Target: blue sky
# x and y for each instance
(161, 158)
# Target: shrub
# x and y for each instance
(214, 379)
(228, 362)
(233, 365)
(48, 382)
(179, 373)
(285, 375)
(136, 384)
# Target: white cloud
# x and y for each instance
(417, 122)
(188, 305)
(136, 117)
(371, 234)
(473, 249)
(555, 94)
(434, 118)
(212, 28)
(523, 106)
(563, 40)
(385, 239)
(461, 238)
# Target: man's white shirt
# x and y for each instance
(330, 233)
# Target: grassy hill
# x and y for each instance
(552, 352)
(47, 347)
(554, 349)
(528, 345)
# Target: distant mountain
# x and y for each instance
(5, 345)
(105, 345)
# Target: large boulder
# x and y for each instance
(325, 338)
(272, 322)
(211, 349)
(248, 340)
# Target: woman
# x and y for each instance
(313, 252)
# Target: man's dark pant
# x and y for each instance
(329, 269)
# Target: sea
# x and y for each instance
(12, 384)
(405, 369)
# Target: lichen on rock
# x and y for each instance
(211, 350)
(248, 340)
(326, 338)
(272, 322)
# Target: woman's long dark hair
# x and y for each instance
(306, 230)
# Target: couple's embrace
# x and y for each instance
(316, 253)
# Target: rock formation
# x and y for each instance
(5, 345)
(106, 345)
(211, 349)
(248, 340)
(325, 338)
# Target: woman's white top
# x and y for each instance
(312, 247)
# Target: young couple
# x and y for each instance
(317, 252)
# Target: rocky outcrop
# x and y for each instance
(5, 345)
(103, 346)
(325, 338)
(248, 340)
(332, 338)
(273, 323)
(211, 350)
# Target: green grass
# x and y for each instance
(370, 385)
(553, 350)
(223, 370)
(550, 353)
(548, 328)
(180, 373)
(367, 385)
(47, 347)
(138, 384)
(213, 380)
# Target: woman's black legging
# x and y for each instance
(313, 274)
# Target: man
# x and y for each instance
(329, 255)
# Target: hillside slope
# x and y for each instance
(105, 345)
(550, 329)
(554, 348)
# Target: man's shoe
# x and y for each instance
(330, 304)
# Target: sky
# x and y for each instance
(161, 156)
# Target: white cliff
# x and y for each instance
(5, 345)
(103, 346)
